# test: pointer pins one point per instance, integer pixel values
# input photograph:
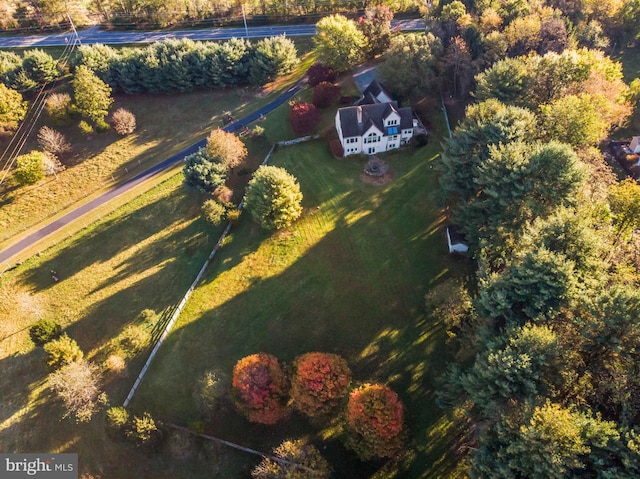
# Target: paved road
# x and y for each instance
(45, 231)
(95, 35)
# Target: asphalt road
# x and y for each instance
(45, 231)
(95, 35)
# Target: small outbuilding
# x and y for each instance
(456, 240)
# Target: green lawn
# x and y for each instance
(348, 278)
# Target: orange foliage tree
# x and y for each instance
(259, 388)
(318, 382)
(375, 420)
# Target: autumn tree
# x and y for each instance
(259, 388)
(52, 141)
(29, 168)
(226, 148)
(376, 28)
(318, 382)
(12, 109)
(92, 96)
(273, 198)
(410, 64)
(62, 351)
(338, 42)
(304, 117)
(319, 72)
(624, 201)
(303, 461)
(77, 384)
(124, 122)
(325, 94)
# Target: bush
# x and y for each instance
(58, 107)
(318, 382)
(102, 126)
(258, 131)
(62, 351)
(273, 197)
(318, 73)
(117, 419)
(209, 390)
(325, 94)
(233, 216)
(203, 173)
(259, 388)
(213, 212)
(420, 140)
(52, 141)
(375, 420)
(144, 432)
(304, 117)
(336, 148)
(29, 168)
(297, 452)
(44, 331)
(133, 339)
(123, 121)
(85, 128)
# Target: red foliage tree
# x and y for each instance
(375, 419)
(259, 388)
(304, 117)
(325, 94)
(319, 72)
(318, 382)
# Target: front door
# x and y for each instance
(372, 150)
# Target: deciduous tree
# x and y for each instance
(226, 148)
(376, 28)
(12, 109)
(92, 96)
(338, 42)
(29, 168)
(296, 453)
(77, 384)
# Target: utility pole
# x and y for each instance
(244, 17)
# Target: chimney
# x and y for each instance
(359, 111)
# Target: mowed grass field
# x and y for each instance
(349, 278)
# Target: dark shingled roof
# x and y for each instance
(372, 115)
(370, 94)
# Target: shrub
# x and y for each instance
(52, 141)
(258, 131)
(319, 72)
(325, 94)
(233, 216)
(123, 121)
(374, 417)
(223, 195)
(44, 331)
(304, 117)
(297, 452)
(144, 432)
(13, 108)
(336, 148)
(273, 197)
(259, 388)
(318, 382)
(58, 107)
(203, 173)
(213, 212)
(102, 126)
(419, 140)
(209, 390)
(78, 385)
(51, 165)
(133, 339)
(29, 168)
(62, 351)
(85, 128)
(117, 418)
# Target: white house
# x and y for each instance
(375, 125)
(456, 240)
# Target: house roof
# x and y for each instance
(371, 94)
(455, 235)
(372, 115)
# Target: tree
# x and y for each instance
(507, 81)
(318, 73)
(124, 122)
(296, 453)
(273, 198)
(375, 417)
(53, 142)
(376, 28)
(77, 384)
(38, 68)
(259, 388)
(99, 59)
(318, 382)
(338, 42)
(62, 351)
(203, 172)
(92, 95)
(44, 331)
(58, 107)
(304, 117)
(29, 168)
(209, 391)
(456, 64)
(624, 202)
(410, 64)
(144, 432)
(12, 109)
(272, 57)
(325, 94)
(226, 148)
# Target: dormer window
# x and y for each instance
(392, 122)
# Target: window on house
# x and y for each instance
(392, 122)
(372, 138)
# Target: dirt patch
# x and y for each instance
(377, 180)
